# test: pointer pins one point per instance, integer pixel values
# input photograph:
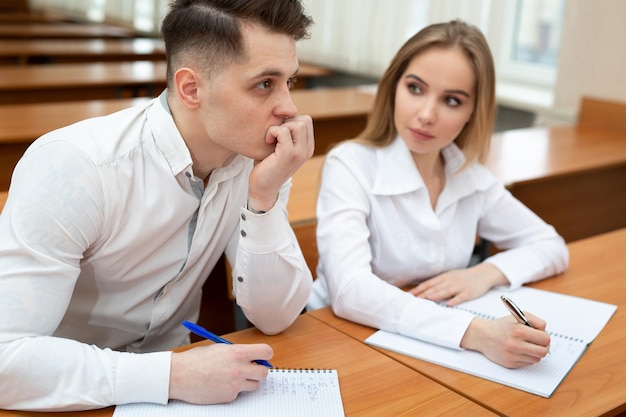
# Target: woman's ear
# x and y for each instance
(186, 82)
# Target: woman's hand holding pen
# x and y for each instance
(507, 342)
(217, 373)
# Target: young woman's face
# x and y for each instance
(434, 99)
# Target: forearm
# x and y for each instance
(55, 374)
(271, 279)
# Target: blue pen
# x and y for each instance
(201, 331)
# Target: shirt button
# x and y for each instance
(188, 175)
(240, 279)
(243, 233)
(243, 216)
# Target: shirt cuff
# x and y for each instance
(143, 377)
(444, 326)
(264, 233)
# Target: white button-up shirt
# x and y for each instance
(377, 233)
(106, 240)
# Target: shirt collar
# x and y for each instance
(172, 144)
(397, 173)
(166, 135)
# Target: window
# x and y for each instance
(537, 32)
(529, 50)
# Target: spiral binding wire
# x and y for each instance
(301, 370)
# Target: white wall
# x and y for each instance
(593, 53)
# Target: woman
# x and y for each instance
(400, 207)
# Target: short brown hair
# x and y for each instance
(209, 31)
(475, 137)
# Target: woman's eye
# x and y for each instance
(453, 101)
(414, 88)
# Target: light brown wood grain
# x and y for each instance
(596, 384)
(49, 51)
(371, 383)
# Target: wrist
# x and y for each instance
(492, 274)
(260, 207)
(473, 335)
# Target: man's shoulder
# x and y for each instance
(102, 137)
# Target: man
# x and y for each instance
(113, 224)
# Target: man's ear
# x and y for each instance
(186, 82)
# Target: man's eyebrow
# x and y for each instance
(461, 92)
(274, 73)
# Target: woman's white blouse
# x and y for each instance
(377, 233)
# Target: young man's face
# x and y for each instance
(246, 98)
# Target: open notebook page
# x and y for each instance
(285, 393)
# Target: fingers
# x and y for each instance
(536, 322)
(302, 135)
(294, 134)
(525, 345)
(217, 373)
(440, 290)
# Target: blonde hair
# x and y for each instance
(474, 140)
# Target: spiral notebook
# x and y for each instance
(285, 393)
(572, 322)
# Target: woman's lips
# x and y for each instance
(422, 134)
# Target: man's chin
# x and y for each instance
(260, 154)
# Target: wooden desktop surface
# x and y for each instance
(338, 113)
(32, 30)
(24, 16)
(371, 383)
(47, 51)
(92, 81)
(596, 386)
(3, 199)
(80, 81)
(523, 156)
(573, 177)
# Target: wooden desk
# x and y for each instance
(82, 81)
(307, 72)
(338, 113)
(371, 383)
(48, 51)
(573, 177)
(62, 31)
(597, 383)
(22, 16)
(3, 199)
